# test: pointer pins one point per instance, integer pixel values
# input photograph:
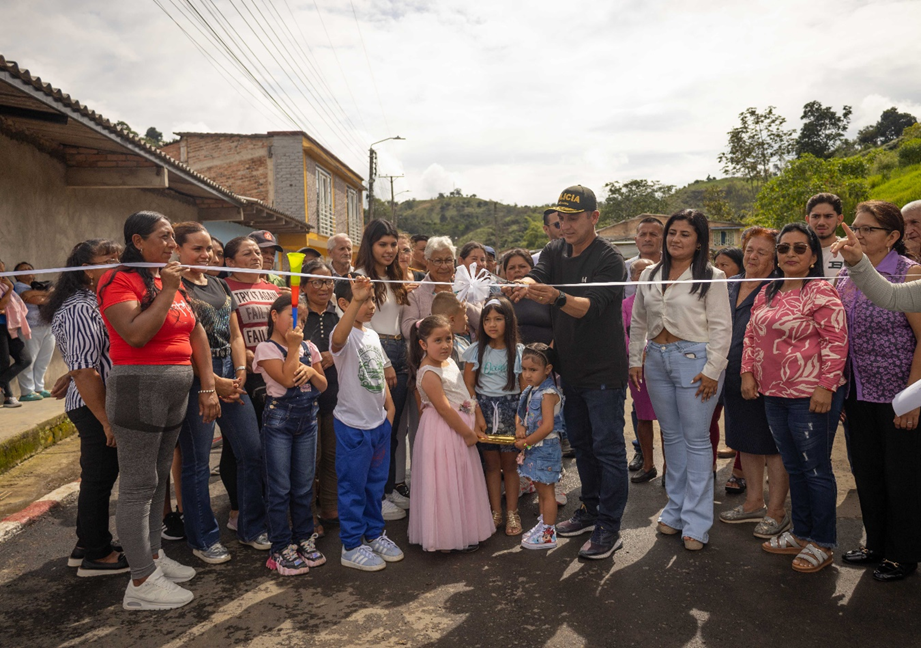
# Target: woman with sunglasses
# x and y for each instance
(793, 355)
(322, 318)
(884, 447)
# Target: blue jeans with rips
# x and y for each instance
(595, 423)
(685, 423)
(804, 440)
(241, 430)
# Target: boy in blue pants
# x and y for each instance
(363, 418)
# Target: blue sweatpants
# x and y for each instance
(362, 465)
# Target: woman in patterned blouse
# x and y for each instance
(884, 447)
(794, 354)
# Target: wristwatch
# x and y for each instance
(560, 301)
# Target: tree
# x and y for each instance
(889, 127)
(716, 205)
(627, 199)
(823, 130)
(153, 137)
(783, 199)
(123, 126)
(758, 147)
(534, 237)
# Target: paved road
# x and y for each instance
(653, 594)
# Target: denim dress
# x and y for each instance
(542, 462)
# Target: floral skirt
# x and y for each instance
(499, 412)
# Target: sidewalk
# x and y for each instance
(27, 430)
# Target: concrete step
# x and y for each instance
(27, 430)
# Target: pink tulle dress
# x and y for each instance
(449, 508)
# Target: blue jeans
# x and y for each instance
(396, 351)
(289, 442)
(685, 423)
(804, 441)
(362, 458)
(240, 429)
(595, 423)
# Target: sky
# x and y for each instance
(511, 101)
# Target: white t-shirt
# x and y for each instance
(387, 316)
(833, 263)
(360, 365)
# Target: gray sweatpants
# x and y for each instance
(146, 405)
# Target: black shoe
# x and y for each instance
(567, 449)
(893, 571)
(580, 522)
(402, 489)
(862, 556)
(173, 527)
(644, 475)
(601, 545)
(98, 568)
(636, 463)
(79, 553)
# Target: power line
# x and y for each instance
(368, 59)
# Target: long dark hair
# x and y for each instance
(141, 223)
(375, 231)
(504, 307)
(700, 264)
(421, 330)
(70, 283)
(888, 216)
(817, 269)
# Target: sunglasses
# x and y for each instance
(798, 248)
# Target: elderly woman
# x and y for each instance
(794, 353)
(747, 429)
(885, 447)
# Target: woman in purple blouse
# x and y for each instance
(883, 359)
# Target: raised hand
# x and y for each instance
(849, 247)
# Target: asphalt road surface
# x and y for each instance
(653, 593)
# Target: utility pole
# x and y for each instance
(372, 173)
(392, 202)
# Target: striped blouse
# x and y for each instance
(82, 337)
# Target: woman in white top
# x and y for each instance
(377, 259)
(689, 327)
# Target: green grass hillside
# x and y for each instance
(901, 187)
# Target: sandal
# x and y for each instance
(736, 485)
(818, 558)
(513, 524)
(497, 518)
(785, 543)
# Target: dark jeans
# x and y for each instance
(289, 442)
(396, 351)
(595, 422)
(13, 348)
(238, 422)
(804, 441)
(886, 465)
(98, 472)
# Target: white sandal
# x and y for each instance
(785, 543)
(818, 558)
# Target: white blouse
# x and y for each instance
(686, 316)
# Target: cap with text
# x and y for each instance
(265, 239)
(576, 199)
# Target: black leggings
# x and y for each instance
(13, 348)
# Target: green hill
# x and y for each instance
(901, 187)
(698, 194)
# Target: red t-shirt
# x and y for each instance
(254, 302)
(171, 344)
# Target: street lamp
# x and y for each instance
(372, 172)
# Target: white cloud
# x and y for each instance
(507, 103)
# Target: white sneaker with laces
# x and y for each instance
(155, 593)
(362, 558)
(173, 570)
(391, 511)
(385, 548)
(399, 500)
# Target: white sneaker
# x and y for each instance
(362, 558)
(172, 570)
(391, 511)
(399, 500)
(561, 498)
(156, 593)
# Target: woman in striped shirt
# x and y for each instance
(77, 325)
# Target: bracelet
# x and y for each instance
(240, 368)
(206, 391)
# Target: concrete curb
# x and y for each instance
(13, 524)
(17, 449)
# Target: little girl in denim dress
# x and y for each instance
(538, 424)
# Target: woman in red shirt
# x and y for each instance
(154, 339)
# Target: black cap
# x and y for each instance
(265, 239)
(310, 252)
(550, 210)
(576, 199)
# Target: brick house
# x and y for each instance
(288, 170)
(722, 233)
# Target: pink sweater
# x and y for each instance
(16, 312)
(797, 343)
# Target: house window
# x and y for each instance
(354, 214)
(325, 221)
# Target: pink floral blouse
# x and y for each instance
(798, 342)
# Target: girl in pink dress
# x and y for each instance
(449, 508)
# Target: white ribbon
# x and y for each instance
(472, 286)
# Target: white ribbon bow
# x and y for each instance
(471, 286)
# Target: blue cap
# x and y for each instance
(490, 251)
